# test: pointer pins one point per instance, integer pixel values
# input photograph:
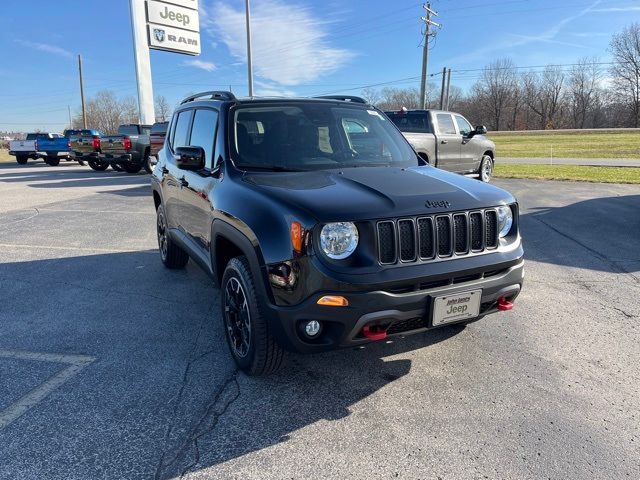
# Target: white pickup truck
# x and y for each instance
(27, 149)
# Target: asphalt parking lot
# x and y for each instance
(113, 367)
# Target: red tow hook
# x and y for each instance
(374, 332)
(504, 305)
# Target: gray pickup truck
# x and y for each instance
(447, 140)
(129, 149)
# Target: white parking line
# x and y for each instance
(76, 364)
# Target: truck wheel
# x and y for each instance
(132, 168)
(116, 167)
(150, 163)
(252, 346)
(171, 254)
(486, 169)
(22, 159)
(98, 165)
(52, 161)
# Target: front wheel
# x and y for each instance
(22, 159)
(98, 165)
(150, 163)
(486, 169)
(171, 254)
(252, 346)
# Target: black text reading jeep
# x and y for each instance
(323, 227)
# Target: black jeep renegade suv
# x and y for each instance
(323, 228)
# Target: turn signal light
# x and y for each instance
(333, 301)
(296, 237)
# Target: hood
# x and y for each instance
(378, 192)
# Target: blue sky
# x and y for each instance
(301, 47)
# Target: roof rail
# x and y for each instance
(213, 94)
(344, 98)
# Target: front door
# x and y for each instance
(172, 176)
(470, 152)
(448, 142)
(197, 186)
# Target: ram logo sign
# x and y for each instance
(158, 34)
(174, 26)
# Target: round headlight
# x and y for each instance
(505, 220)
(339, 240)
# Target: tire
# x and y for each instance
(150, 163)
(250, 342)
(132, 167)
(52, 161)
(116, 167)
(486, 169)
(22, 159)
(98, 165)
(171, 254)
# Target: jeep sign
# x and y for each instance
(172, 15)
(174, 26)
(173, 39)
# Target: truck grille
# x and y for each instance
(438, 236)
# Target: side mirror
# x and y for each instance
(480, 130)
(189, 158)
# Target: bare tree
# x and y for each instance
(163, 109)
(584, 90)
(543, 95)
(105, 112)
(495, 91)
(371, 95)
(625, 48)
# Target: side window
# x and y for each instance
(445, 124)
(181, 130)
(463, 125)
(203, 133)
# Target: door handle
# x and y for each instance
(184, 182)
(444, 141)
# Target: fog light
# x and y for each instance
(312, 328)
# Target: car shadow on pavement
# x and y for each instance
(597, 234)
(164, 382)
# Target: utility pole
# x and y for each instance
(446, 105)
(444, 76)
(425, 52)
(84, 109)
(249, 60)
(70, 121)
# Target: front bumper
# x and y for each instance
(397, 313)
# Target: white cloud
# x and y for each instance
(270, 89)
(289, 44)
(45, 47)
(547, 36)
(628, 8)
(201, 64)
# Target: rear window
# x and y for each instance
(32, 136)
(128, 130)
(411, 122)
(159, 127)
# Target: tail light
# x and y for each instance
(36, 145)
(96, 143)
(126, 143)
(69, 144)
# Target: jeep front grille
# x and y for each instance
(409, 240)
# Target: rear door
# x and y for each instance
(470, 154)
(197, 186)
(448, 142)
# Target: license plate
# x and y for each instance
(453, 308)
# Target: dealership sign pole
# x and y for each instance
(170, 25)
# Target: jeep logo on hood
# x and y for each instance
(437, 204)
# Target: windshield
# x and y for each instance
(315, 136)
